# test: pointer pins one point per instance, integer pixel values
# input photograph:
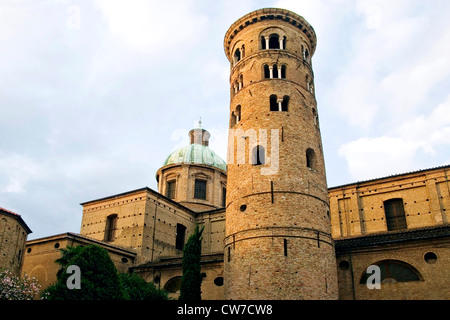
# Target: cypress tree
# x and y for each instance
(191, 280)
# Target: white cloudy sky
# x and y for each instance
(94, 94)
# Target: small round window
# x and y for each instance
(243, 208)
(430, 258)
(344, 265)
(218, 281)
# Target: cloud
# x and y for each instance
(401, 148)
(153, 26)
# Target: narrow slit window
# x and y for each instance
(285, 243)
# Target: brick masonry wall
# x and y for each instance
(358, 209)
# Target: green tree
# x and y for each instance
(191, 280)
(136, 288)
(99, 279)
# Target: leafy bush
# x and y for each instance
(136, 288)
(99, 278)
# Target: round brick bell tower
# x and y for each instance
(278, 242)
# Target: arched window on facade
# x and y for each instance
(111, 228)
(258, 156)
(395, 214)
(393, 271)
(311, 159)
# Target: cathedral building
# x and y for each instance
(273, 229)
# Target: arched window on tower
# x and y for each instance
(258, 156)
(283, 72)
(274, 41)
(273, 103)
(311, 159)
(275, 71)
(285, 104)
(395, 214)
(238, 114)
(266, 72)
(284, 43)
(237, 56)
(263, 43)
(241, 82)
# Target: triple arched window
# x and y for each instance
(274, 71)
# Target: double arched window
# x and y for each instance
(279, 104)
(274, 71)
(235, 116)
(239, 54)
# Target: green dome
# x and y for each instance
(196, 154)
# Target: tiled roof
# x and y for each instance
(391, 176)
(375, 239)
